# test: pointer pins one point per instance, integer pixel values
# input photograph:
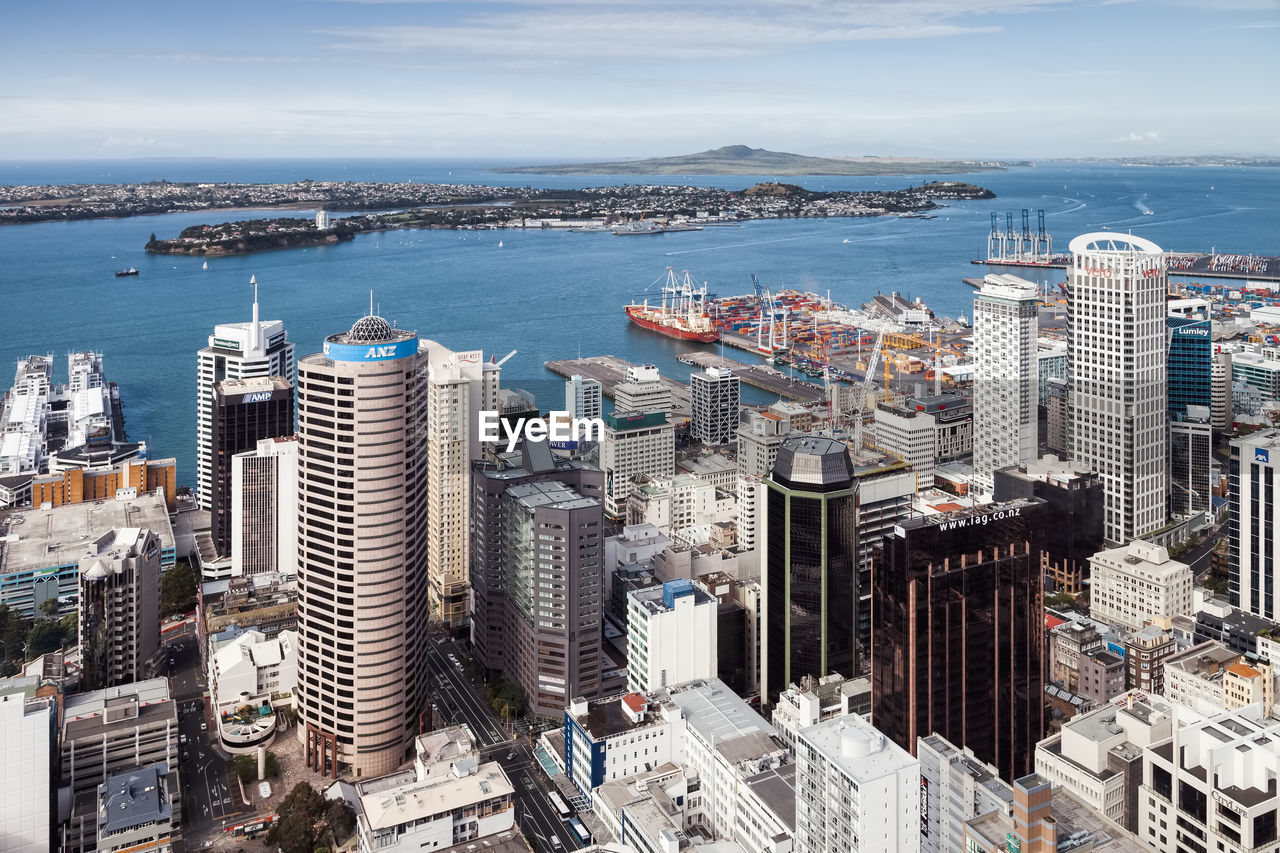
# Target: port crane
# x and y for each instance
(773, 313)
(860, 396)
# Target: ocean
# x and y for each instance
(545, 295)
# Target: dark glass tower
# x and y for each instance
(1190, 370)
(810, 579)
(957, 632)
(244, 412)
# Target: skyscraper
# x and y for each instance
(809, 565)
(264, 508)
(245, 411)
(235, 351)
(634, 444)
(1117, 346)
(362, 548)
(537, 602)
(1190, 415)
(119, 607)
(459, 386)
(1254, 524)
(715, 395)
(957, 634)
(1005, 384)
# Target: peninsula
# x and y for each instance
(742, 160)
(596, 208)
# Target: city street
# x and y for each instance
(210, 795)
(463, 701)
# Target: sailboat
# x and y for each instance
(206, 266)
(499, 244)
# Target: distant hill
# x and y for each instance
(741, 160)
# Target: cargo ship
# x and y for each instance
(682, 314)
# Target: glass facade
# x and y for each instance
(1190, 365)
(957, 633)
(1190, 372)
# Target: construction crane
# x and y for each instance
(860, 398)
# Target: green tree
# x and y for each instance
(46, 636)
(273, 765)
(50, 606)
(246, 767)
(298, 824)
(178, 590)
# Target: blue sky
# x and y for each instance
(541, 80)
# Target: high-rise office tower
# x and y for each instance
(537, 602)
(119, 607)
(715, 395)
(634, 444)
(1190, 415)
(809, 565)
(235, 351)
(362, 548)
(957, 634)
(759, 438)
(245, 411)
(644, 391)
(1117, 289)
(1254, 524)
(583, 398)
(264, 508)
(1005, 385)
(459, 386)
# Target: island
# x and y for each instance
(743, 160)
(591, 209)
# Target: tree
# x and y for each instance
(177, 589)
(50, 606)
(246, 767)
(273, 765)
(297, 828)
(46, 636)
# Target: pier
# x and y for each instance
(760, 376)
(610, 371)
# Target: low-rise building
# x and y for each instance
(135, 812)
(447, 797)
(252, 663)
(1145, 653)
(1046, 819)
(1194, 677)
(818, 700)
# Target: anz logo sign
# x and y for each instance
(259, 397)
(381, 352)
(1260, 454)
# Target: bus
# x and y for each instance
(559, 805)
(579, 831)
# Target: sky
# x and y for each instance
(555, 80)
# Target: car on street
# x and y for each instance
(204, 727)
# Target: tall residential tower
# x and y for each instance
(1005, 387)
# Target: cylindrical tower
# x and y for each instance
(362, 565)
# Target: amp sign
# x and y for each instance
(256, 397)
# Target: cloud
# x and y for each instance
(1148, 136)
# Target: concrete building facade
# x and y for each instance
(1006, 386)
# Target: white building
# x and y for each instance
(750, 511)
(1052, 363)
(1098, 755)
(715, 395)
(254, 664)
(459, 386)
(583, 398)
(264, 509)
(28, 736)
(1006, 388)
(235, 351)
(1255, 533)
(1194, 678)
(447, 797)
(643, 391)
(1138, 585)
(674, 503)
(1212, 785)
(1220, 377)
(834, 695)
(955, 787)
(1118, 286)
(671, 635)
(759, 438)
(855, 790)
(634, 444)
(911, 436)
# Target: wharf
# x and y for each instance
(760, 376)
(1183, 265)
(610, 371)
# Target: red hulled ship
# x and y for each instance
(682, 314)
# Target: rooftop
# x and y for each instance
(860, 750)
(776, 788)
(1207, 660)
(134, 798)
(61, 536)
(438, 796)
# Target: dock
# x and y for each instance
(760, 376)
(611, 371)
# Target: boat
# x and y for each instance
(129, 271)
(643, 227)
(682, 314)
(499, 244)
(206, 266)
